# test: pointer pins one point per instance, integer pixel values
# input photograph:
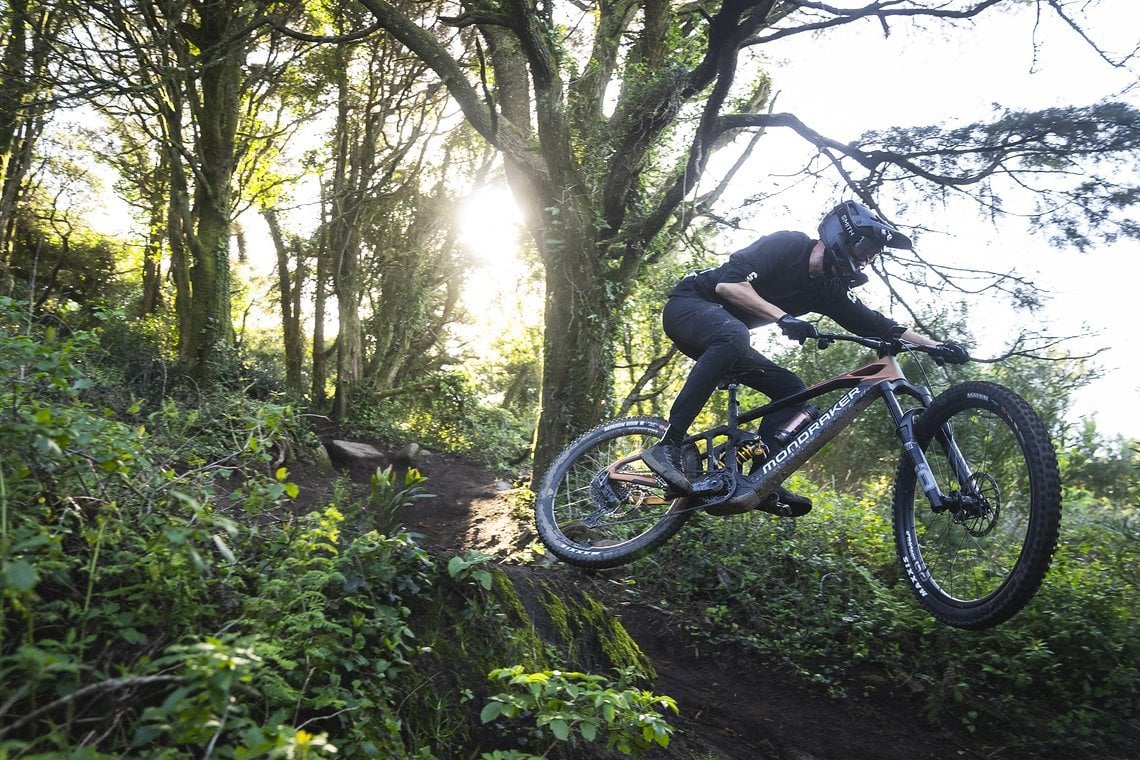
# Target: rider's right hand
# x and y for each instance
(796, 329)
(951, 352)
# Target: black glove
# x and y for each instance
(796, 329)
(951, 352)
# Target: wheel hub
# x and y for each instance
(978, 505)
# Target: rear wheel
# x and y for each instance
(599, 505)
(978, 561)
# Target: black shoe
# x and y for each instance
(792, 504)
(665, 460)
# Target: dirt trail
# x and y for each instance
(731, 706)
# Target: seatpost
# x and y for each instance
(733, 404)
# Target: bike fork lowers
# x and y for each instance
(905, 422)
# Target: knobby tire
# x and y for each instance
(979, 567)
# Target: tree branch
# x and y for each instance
(108, 686)
(881, 9)
(499, 132)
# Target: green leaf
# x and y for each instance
(18, 576)
(491, 711)
(560, 728)
(484, 579)
(133, 636)
(224, 549)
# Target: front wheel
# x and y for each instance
(599, 505)
(978, 560)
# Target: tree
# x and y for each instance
(629, 100)
(291, 275)
(179, 70)
(388, 237)
(29, 29)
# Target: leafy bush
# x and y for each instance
(388, 497)
(160, 597)
(156, 592)
(448, 416)
(577, 707)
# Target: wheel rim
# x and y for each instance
(971, 550)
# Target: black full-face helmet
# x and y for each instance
(852, 235)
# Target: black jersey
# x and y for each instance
(777, 267)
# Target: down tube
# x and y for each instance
(813, 438)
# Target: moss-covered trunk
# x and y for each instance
(215, 100)
(577, 366)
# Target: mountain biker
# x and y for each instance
(776, 279)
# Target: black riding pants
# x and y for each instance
(720, 344)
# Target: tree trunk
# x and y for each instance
(179, 221)
(317, 394)
(289, 285)
(154, 190)
(216, 108)
(581, 308)
(349, 182)
(22, 73)
(346, 285)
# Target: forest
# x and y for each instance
(231, 230)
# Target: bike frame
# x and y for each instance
(727, 486)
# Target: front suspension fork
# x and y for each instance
(904, 423)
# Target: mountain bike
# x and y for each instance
(977, 496)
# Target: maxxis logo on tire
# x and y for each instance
(914, 567)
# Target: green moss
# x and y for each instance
(559, 616)
(617, 644)
(582, 622)
(525, 637)
(466, 631)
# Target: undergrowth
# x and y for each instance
(162, 595)
(448, 416)
(823, 597)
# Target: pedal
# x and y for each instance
(709, 485)
(795, 506)
(773, 506)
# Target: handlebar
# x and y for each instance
(885, 346)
